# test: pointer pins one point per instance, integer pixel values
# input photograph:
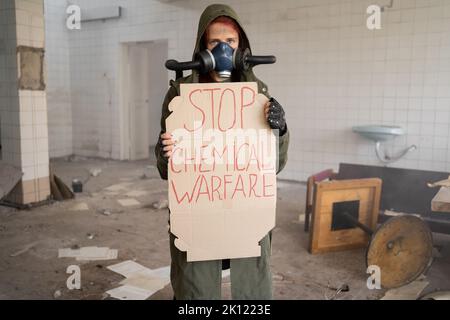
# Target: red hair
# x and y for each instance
(226, 21)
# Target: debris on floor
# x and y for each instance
(343, 288)
(77, 186)
(95, 172)
(437, 295)
(140, 283)
(148, 172)
(88, 253)
(128, 202)
(411, 291)
(24, 249)
(57, 294)
(74, 158)
(105, 212)
(129, 293)
(9, 177)
(118, 187)
(59, 190)
(136, 193)
(161, 204)
(82, 206)
(91, 236)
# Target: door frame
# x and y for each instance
(124, 95)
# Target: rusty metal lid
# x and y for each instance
(402, 248)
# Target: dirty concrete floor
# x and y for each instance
(34, 236)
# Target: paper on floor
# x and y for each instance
(129, 293)
(118, 187)
(141, 282)
(127, 268)
(88, 253)
(80, 207)
(136, 193)
(128, 202)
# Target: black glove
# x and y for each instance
(276, 119)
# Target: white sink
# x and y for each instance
(379, 133)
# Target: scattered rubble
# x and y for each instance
(57, 294)
(136, 193)
(128, 202)
(161, 204)
(24, 249)
(90, 236)
(82, 206)
(95, 172)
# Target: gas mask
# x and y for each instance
(223, 59)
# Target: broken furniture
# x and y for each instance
(401, 247)
(344, 212)
(319, 177)
(404, 190)
(441, 202)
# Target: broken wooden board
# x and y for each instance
(9, 178)
(441, 202)
(222, 174)
(361, 198)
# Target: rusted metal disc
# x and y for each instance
(402, 247)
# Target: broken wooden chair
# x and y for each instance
(312, 180)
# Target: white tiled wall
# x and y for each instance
(332, 73)
(23, 113)
(33, 134)
(9, 97)
(32, 104)
(58, 80)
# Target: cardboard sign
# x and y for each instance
(222, 174)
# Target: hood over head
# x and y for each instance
(211, 13)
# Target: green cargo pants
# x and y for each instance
(251, 278)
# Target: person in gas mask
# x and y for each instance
(221, 33)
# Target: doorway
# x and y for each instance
(144, 83)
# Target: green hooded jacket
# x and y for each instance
(210, 14)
